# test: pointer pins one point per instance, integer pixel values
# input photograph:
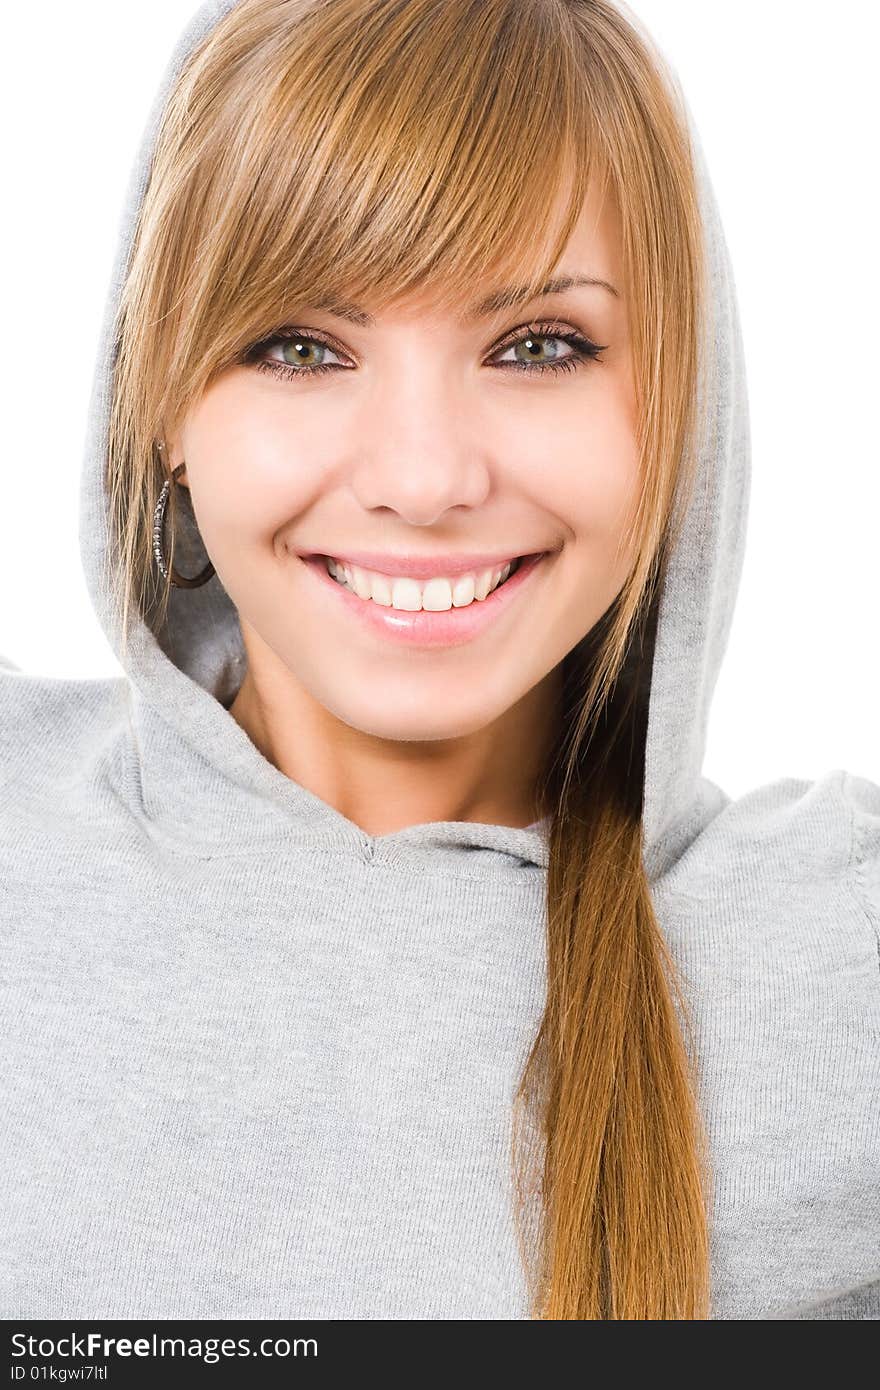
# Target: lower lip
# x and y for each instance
(449, 628)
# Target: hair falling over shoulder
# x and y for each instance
(372, 148)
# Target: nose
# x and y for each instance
(419, 458)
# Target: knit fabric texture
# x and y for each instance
(258, 1063)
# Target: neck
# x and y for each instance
(384, 785)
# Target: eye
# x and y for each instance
(297, 349)
(531, 339)
(298, 352)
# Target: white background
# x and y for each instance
(784, 94)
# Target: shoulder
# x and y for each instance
(863, 799)
(772, 912)
(52, 729)
(794, 831)
(818, 841)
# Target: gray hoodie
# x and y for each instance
(259, 1064)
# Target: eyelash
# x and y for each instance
(585, 351)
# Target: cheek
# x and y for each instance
(602, 486)
(580, 464)
(251, 474)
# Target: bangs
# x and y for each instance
(373, 152)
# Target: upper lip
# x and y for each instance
(422, 566)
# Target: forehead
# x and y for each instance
(592, 255)
(596, 239)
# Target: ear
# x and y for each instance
(168, 451)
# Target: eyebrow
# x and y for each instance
(500, 299)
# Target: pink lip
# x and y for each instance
(426, 629)
(419, 566)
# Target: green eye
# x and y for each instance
(295, 351)
(530, 348)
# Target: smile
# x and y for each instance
(441, 611)
(435, 595)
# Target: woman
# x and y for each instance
(375, 948)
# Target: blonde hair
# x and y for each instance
(313, 148)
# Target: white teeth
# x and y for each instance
(437, 595)
(406, 594)
(381, 590)
(483, 584)
(360, 581)
(410, 595)
(463, 592)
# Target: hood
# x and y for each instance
(195, 772)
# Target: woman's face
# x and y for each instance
(433, 444)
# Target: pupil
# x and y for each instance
(297, 351)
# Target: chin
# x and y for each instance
(403, 721)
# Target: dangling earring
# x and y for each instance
(179, 581)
